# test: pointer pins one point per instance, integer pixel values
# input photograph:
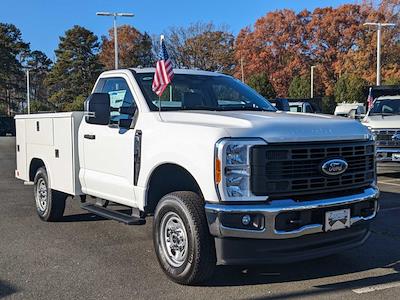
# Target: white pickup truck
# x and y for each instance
(384, 122)
(228, 179)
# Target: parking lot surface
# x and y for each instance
(87, 257)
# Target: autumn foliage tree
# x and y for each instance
(134, 48)
(201, 45)
(284, 44)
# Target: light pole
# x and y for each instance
(312, 82)
(378, 47)
(28, 97)
(115, 15)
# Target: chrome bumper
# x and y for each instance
(272, 209)
(382, 155)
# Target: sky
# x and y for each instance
(42, 22)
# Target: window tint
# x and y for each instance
(202, 92)
(120, 96)
(309, 108)
(386, 106)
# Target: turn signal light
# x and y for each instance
(217, 171)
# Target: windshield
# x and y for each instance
(202, 92)
(385, 107)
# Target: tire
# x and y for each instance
(50, 204)
(185, 211)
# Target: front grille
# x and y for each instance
(386, 137)
(290, 169)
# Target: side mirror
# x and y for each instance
(97, 106)
(129, 111)
(352, 114)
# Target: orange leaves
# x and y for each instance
(284, 44)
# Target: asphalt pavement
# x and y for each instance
(87, 257)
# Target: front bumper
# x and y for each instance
(388, 157)
(270, 244)
(270, 211)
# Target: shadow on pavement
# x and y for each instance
(375, 254)
(6, 289)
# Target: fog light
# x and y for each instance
(246, 219)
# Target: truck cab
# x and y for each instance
(227, 178)
(383, 119)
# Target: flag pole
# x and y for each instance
(159, 97)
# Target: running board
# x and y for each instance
(112, 214)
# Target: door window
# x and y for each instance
(120, 96)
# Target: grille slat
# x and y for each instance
(284, 170)
(384, 137)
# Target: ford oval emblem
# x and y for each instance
(334, 167)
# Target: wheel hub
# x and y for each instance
(41, 194)
(173, 237)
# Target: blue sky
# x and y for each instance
(43, 21)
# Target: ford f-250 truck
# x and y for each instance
(383, 119)
(228, 179)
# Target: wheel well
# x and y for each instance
(166, 179)
(36, 163)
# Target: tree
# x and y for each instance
(300, 87)
(277, 46)
(350, 88)
(75, 70)
(284, 44)
(261, 84)
(12, 51)
(201, 46)
(134, 48)
(39, 66)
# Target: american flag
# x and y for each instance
(164, 71)
(370, 99)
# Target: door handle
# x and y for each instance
(89, 136)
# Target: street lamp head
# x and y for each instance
(110, 14)
(124, 14)
(379, 24)
(103, 13)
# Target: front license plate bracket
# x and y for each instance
(337, 219)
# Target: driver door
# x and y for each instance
(108, 150)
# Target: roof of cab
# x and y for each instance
(180, 71)
(397, 97)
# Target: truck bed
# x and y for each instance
(51, 138)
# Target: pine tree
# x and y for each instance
(262, 85)
(12, 51)
(77, 66)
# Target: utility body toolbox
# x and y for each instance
(46, 139)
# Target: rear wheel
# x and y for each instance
(184, 247)
(50, 204)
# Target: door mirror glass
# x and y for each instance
(352, 114)
(97, 106)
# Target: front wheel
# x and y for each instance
(184, 247)
(50, 204)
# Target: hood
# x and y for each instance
(385, 122)
(273, 126)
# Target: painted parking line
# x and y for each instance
(389, 180)
(389, 209)
(389, 183)
(378, 287)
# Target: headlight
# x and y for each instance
(372, 134)
(232, 169)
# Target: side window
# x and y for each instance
(309, 108)
(120, 96)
